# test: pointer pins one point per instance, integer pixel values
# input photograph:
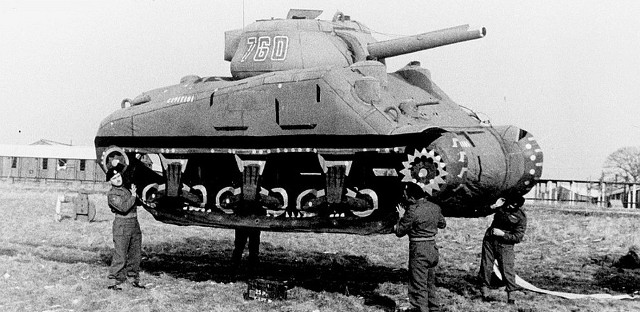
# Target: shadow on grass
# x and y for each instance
(9, 252)
(618, 279)
(458, 281)
(63, 253)
(605, 280)
(199, 259)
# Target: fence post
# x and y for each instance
(603, 188)
(572, 193)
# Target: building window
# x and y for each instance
(62, 164)
(14, 162)
(82, 164)
(45, 163)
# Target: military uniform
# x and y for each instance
(513, 222)
(127, 237)
(421, 222)
(242, 235)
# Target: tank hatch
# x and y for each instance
(303, 14)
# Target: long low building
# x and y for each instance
(50, 162)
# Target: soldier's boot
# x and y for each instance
(115, 285)
(136, 284)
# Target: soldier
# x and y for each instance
(421, 222)
(127, 237)
(248, 206)
(508, 227)
(242, 235)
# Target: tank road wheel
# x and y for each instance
(281, 196)
(149, 194)
(195, 194)
(202, 192)
(306, 200)
(194, 197)
(295, 180)
(226, 197)
(371, 198)
(425, 169)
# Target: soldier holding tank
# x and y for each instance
(421, 223)
(506, 230)
(127, 237)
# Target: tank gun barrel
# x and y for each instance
(433, 39)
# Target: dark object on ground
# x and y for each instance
(115, 287)
(265, 290)
(629, 261)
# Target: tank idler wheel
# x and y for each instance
(113, 156)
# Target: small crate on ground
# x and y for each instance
(266, 290)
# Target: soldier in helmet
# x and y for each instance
(508, 227)
(421, 223)
(127, 237)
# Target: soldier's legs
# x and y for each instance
(118, 261)
(238, 248)
(423, 257)
(434, 304)
(486, 262)
(254, 247)
(134, 254)
(506, 260)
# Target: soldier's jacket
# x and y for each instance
(122, 202)
(512, 222)
(421, 220)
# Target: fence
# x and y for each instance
(599, 193)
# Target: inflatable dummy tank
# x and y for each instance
(311, 133)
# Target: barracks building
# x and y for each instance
(48, 160)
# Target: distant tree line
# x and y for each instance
(623, 165)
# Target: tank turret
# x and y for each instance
(301, 42)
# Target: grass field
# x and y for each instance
(47, 265)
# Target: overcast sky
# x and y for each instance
(566, 71)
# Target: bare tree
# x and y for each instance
(623, 164)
